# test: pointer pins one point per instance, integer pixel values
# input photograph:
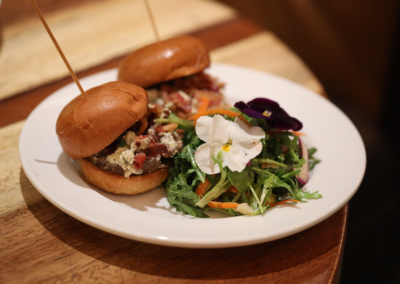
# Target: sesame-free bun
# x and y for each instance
(163, 61)
(91, 122)
(110, 182)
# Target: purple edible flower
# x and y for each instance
(269, 110)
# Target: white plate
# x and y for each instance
(149, 218)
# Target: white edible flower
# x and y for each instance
(238, 143)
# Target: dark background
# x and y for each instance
(353, 49)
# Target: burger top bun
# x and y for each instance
(165, 60)
(90, 123)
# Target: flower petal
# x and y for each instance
(241, 105)
(219, 132)
(262, 104)
(283, 121)
(246, 139)
(235, 159)
(276, 118)
(250, 149)
(299, 124)
(204, 160)
(203, 127)
(254, 131)
(255, 114)
(240, 131)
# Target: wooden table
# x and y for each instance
(40, 243)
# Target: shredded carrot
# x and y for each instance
(203, 104)
(222, 205)
(266, 165)
(202, 188)
(296, 133)
(227, 112)
(143, 126)
(233, 189)
(283, 202)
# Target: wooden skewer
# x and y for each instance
(152, 20)
(58, 47)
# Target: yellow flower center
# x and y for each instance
(267, 113)
(227, 146)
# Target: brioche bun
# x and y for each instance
(163, 61)
(113, 183)
(90, 123)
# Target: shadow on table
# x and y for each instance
(285, 255)
(72, 171)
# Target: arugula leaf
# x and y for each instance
(241, 180)
(181, 195)
(182, 123)
(182, 207)
(229, 211)
(188, 154)
(311, 152)
(298, 165)
(214, 179)
(122, 143)
(280, 191)
(180, 188)
(307, 195)
(279, 148)
(220, 187)
(269, 180)
(269, 161)
(312, 162)
(184, 178)
(190, 137)
(256, 200)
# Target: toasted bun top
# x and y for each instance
(165, 60)
(90, 123)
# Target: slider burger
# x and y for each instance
(110, 130)
(172, 70)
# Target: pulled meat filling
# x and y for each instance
(181, 95)
(133, 154)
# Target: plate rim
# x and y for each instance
(178, 243)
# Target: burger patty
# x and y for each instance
(143, 154)
(150, 165)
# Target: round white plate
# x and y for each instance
(149, 218)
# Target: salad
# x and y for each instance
(240, 161)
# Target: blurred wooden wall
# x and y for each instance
(347, 44)
(12, 11)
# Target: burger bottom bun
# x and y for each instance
(119, 184)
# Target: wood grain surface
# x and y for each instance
(19, 106)
(91, 34)
(235, 41)
(41, 244)
(265, 52)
